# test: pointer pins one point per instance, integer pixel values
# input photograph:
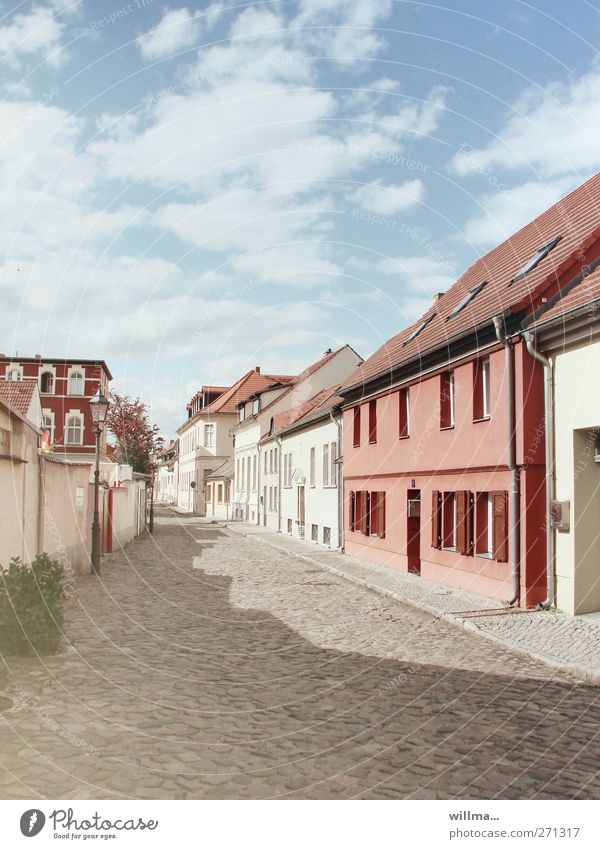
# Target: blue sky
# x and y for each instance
(193, 189)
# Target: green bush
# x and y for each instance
(31, 617)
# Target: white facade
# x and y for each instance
(204, 444)
(254, 420)
(303, 497)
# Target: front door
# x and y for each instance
(413, 531)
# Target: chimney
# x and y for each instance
(437, 296)
(257, 369)
(327, 352)
(38, 356)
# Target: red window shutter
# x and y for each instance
(366, 513)
(462, 512)
(373, 513)
(436, 525)
(444, 400)
(500, 528)
(477, 390)
(403, 413)
(373, 421)
(352, 511)
(357, 426)
(470, 524)
(381, 514)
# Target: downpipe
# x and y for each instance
(549, 449)
(515, 491)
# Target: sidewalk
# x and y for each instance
(569, 643)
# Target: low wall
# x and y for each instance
(67, 513)
(128, 512)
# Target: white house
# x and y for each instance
(167, 469)
(205, 439)
(219, 490)
(567, 333)
(257, 476)
(303, 496)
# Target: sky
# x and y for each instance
(193, 189)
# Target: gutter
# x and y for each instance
(340, 482)
(515, 490)
(549, 448)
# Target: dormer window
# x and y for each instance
(472, 293)
(536, 258)
(13, 374)
(242, 412)
(255, 406)
(419, 328)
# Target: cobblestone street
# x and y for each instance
(203, 664)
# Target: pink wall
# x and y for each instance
(470, 456)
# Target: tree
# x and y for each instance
(136, 439)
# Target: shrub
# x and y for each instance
(31, 617)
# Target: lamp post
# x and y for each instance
(99, 408)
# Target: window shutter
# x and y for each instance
(381, 514)
(436, 525)
(352, 511)
(500, 527)
(366, 513)
(477, 390)
(470, 521)
(462, 512)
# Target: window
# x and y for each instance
(48, 424)
(536, 258)
(357, 426)
(265, 462)
(271, 498)
(327, 536)
(326, 465)
(220, 494)
(255, 406)
(242, 412)
(275, 460)
(452, 521)
(74, 430)
(76, 383)
(209, 435)
(367, 513)
(287, 470)
(449, 520)
(311, 468)
(47, 383)
(237, 474)
(254, 473)
(481, 389)
(376, 508)
(314, 533)
(271, 461)
(472, 293)
(373, 421)
(447, 400)
(403, 413)
(289, 526)
(420, 328)
(484, 524)
(332, 459)
(13, 374)
(275, 504)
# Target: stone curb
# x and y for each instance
(575, 670)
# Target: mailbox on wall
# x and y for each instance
(414, 507)
(560, 515)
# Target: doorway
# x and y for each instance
(413, 531)
(301, 511)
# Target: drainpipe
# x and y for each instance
(515, 491)
(549, 446)
(340, 482)
(278, 440)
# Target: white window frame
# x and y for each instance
(452, 395)
(485, 388)
(333, 465)
(326, 464)
(209, 435)
(48, 414)
(311, 472)
(14, 372)
(52, 374)
(74, 414)
(76, 374)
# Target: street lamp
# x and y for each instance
(99, 408)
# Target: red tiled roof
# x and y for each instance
(283, 420)
(225, 470)
(18, 393)
(246, 386)
(586, 292)
(576, 219)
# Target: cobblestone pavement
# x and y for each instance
(204, 664)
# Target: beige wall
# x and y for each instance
(68, 512)
(577, 412)
(19, 492)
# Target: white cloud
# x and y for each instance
(343, 29)
(388, 199)
(506, 211)
(554, 131)
(36, 33)
(177, 29)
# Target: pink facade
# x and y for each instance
(437, 456)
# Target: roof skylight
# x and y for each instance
(419, 328)
(536, 258)
(466, 299)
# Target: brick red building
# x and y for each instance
(444, 467)
(65, 389)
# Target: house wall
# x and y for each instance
(471, 455)
(270, 485)
(67, 514)
(216, 509)
(321, 504)
(246, 487)
(129, 508)
(577, 420)
(196, 460)
(19, 491)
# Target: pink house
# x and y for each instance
(444, 426)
